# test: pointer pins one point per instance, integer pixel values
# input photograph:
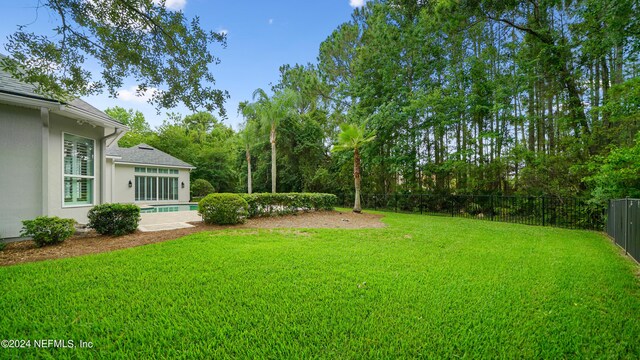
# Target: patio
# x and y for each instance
(168, 220)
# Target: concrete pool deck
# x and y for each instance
(168, 220)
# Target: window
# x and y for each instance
(78, 170)
(150, 170)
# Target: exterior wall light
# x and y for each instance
(130, 183)
(183, 184)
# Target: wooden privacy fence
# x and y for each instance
(623, 225)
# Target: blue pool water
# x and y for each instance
(169, 208)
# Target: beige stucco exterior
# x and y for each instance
(29, 186)
(119, 175)
(31, 163)
(20, 167)
(58, 126)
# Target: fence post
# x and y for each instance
(492, 206)
(420, 203)
(543, 211)
(395, 195)
(626, 225)
(452, 204)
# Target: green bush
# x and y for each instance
(114, 219)
(288, 203)
(201, 188)
(47, 230)
(223, 209)
(474, 209)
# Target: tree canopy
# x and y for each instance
(465, 97)
(165, 53)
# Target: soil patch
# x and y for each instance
(92, 243)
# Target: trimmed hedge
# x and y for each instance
(114, 219)
(287, 203)
(223, 209)
(47, 230)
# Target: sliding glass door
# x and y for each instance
(152, 188)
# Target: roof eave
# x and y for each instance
(62, 109)
(26, 101)
(80, 114)
(147, 164)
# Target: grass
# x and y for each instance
(421, 287)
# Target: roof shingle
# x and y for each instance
(145, 155)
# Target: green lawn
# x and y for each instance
(421, 287)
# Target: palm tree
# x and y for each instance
(270, 111)
(246, 135)
(352, 137)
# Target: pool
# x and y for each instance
(169, 208)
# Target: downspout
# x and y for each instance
(103, 164)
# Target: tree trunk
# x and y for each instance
(357, 208)
(531, 115)
(248, 171)
(605, 90)
(273, 159)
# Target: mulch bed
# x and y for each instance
(92, 243)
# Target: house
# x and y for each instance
(146, 175)
(61, 159)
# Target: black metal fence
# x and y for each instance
(573, 213)
(623, 225)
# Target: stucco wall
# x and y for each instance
(121, 190)
(124, 173)
(58, 126)
(20, 167)
(184, 194)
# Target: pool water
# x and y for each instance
(169, 208)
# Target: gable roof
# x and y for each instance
(20, 91)
(144, 154)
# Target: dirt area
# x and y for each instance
(92, 243)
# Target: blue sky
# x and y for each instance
(261, 36)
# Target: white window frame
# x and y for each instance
(95, 162)
(156, 178)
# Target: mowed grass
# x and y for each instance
(427, 287)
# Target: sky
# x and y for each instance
(261, 36)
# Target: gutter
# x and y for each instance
(28, 101)
(155, 165)
(32, 101)
(85, 115)
(116, 134)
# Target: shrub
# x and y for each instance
(223, 209)
(114, 219)
(474, 209)
(287, 203)
(201, 188)
(47, 230)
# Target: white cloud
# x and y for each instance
(174, 5)
(131, 94)
(270, 21)
(356, 3)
